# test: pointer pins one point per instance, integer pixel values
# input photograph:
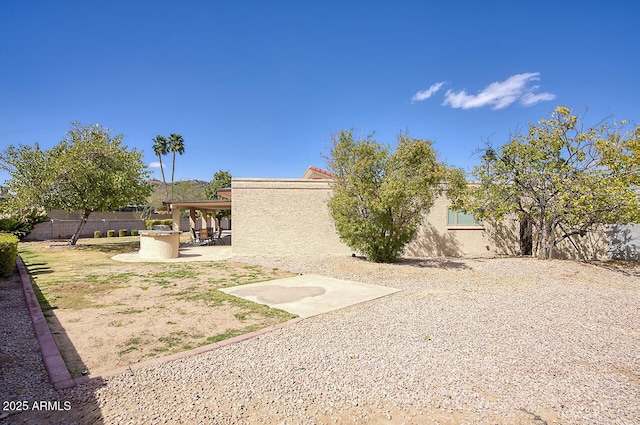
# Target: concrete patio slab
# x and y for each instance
(309, 295)
(187, 253)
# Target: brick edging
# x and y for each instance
(56, 368)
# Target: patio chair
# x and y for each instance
(195, 237)
(212, 235)
(204, 237)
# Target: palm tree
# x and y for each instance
(161, 148)
(176, 145)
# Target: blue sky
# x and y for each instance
(259, 87)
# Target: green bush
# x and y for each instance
(150, 223)
(6, 223)
(111, 233)
(8, 253)
(97, 234)
(380, 196)
(23, 225)
(122, 233)
(134, 232)
(16, 227)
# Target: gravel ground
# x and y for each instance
(488, 341)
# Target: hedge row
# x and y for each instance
(8, 253)
(150, 223)
(112, 233)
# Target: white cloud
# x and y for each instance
(500, 94)
(154, 165)
(529, 99)
(426, 94)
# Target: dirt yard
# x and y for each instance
(483, 341)
(106, 314)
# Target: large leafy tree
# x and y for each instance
(161, 148)
(564, 179)
(87, 171)
(30, 169)
(221, 179)
(176, 146)
(380, 197)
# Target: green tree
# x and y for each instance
(185, 190)
(221, 179)
(176, 145)
(161, 148)
(87, 171)
(381, 197)
(565, 180)
(189, 190)
(30, 169)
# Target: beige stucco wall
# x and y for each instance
(283, 217)
(291, 217)
(592, 246)
(435, 238)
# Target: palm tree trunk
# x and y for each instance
(173, 167)
(164, 180)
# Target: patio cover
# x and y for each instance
(203, 206)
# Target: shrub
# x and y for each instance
(380, 197)
(134, 232)
(97, 234)
(8, 253)
(150, 223)
(16, 227)
(23, 225)
(111, 233)
(6, 223)
(122, 233)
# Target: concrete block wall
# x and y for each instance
(624, 242)
(64, 229)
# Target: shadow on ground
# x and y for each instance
(434, 263)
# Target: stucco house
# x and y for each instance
(291, 217)
(276, 217)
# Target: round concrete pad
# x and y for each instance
(309, 295)
(187, 253)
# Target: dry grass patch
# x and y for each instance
(106, 314)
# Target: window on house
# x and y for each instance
(458, 218)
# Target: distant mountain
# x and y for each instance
(184, 190)
(194, 182)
